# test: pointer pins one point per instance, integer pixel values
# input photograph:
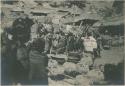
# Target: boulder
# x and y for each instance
(95, 75)
(68, 66)
(52, 63)
(81, 80)
(82, 68)
(87, 60)
(70, 69)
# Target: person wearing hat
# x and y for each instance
(21, 28)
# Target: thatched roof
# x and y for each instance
(42, 10)
(62, 10)
(29, 3)
(86, 18)
(17, 9)
(73, 10)
(97, 24)
(114, 21)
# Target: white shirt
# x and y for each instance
(34, 31)
(89, 43)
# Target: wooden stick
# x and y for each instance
(80, 24)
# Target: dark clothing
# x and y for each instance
(58, 44)
(5, 79)
(70, 44)
(38, 75)
(99, 44)
(11, 66)
(12, 69)
(38, 64)
(23, 60)
(37, 57)
(38, 45)
(78, 45)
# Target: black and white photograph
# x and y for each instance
(62, 42)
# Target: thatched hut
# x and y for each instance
(114, 26)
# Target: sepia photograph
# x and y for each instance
(62, 42)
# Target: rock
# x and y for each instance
(52, 63)
(82, 68)
(53, 67)
(71, 82)
(57, 70)
(87, 60)
(65, 82)
(81, 80)
(83, 65)
(51, 82)
(95, 75)
(68, 66)
(70, 69)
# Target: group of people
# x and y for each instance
(24, 49)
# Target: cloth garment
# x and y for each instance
(33, 33)
(89, 43)
(38, 64)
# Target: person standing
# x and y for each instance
(34, 31)
(90, 45)
(38, 63)
(99, 45)
(22, 28)
(23, 60)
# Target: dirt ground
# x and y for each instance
(113, 56)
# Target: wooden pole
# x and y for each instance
(80, 24)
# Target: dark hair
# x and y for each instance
(89, 34)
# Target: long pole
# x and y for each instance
(80, 24)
